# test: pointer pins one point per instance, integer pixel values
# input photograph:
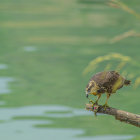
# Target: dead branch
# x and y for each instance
(123, 116)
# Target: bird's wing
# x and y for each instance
(110, 81)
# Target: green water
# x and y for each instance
(45, 47)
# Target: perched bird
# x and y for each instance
(105, 82)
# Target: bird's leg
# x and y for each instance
(106, 105)
(90, 101)
(96, 102)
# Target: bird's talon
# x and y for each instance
(105, 106)
(96, 103)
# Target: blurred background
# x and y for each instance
(49, 51)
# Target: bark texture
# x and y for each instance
(123, 116)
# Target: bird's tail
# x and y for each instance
(127, 82)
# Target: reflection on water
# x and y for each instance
(109, 137)
(3, 66)
(41, 111)
(30, 48)
(23, 129)
(4, 84)
(72, 112)
(4, 81)
(2, 102)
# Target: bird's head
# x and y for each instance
(91, 88)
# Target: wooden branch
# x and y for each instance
(123, 116)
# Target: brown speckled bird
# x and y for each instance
(105, 82)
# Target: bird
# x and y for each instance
(105, 82)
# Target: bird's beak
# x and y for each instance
(87, 94)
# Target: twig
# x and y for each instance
(123, 116)
(125, 35)
(123, 6)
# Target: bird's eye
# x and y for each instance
(98, 91)
(89, 89)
